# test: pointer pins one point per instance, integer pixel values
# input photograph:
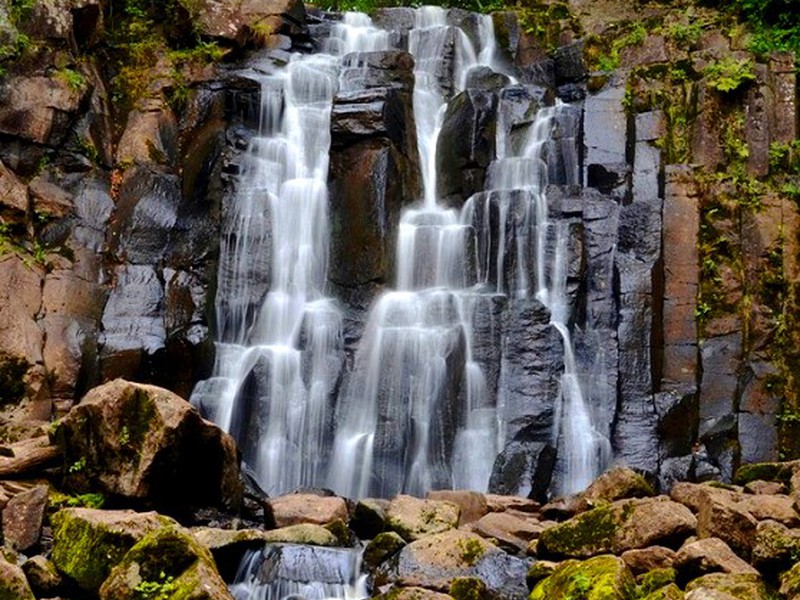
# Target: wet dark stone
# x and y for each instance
(524, 467)
(569, 65)
(466, 143)
(387, 68)
(484, 78)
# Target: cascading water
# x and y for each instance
(417, 412)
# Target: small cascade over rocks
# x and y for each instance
(468, 365)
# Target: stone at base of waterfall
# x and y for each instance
(381, 547)
(472, 505)
(604, 577)
(169, 560)
(777, 507)
(790, 582)
(434, 561)
(719, 517)
(88, 543)
(728, 586)
(642, 560)
(499, 503)
(143, 443)
(369, 517)
(293, 509)
(761, 487)
(615, 484)
(510, 532)
(617, 527)
(776, 546)
(709, 555)
(414, 518)
(22, 519)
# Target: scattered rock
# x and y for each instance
(293, 509)
(498, 503)
(472, 505)
(413, 518)
(146, 444)
(725, 586)
(507, 531)
(22, 519)
(88, 543)
(369, 517)
(599, 577)
(172, 559)
(412, 593)
(302, 533)
(776, 546)
(642, 560)
(719, 517)
(710, 555)
(761, 487)
(381, 547)
(615, 484)
(13, 584)
(44, 579)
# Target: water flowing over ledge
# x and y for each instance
(418, 405)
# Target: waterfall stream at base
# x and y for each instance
(415, 411)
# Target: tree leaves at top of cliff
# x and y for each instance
(774, 23)
(370, 6)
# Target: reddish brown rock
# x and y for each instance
(147, 444)
(709, 555)
(498, 503)
(293, 509)
(724, 519)
(776, 507)
(23, 517)
(508, 531)
(13, 196)
(471, 504)
(642, 560)
(38, 109)
(236, 19)
(615, 484)
(414, 518)
(12, 582)
(776, 546)
(760, 487)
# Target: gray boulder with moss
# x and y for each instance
(145, 444)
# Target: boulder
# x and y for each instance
(381, 547)
(510, 532)
(670, 592)
(604, 577)
(413, 518)
(412, 593)
(170, 561)
(145, 444)
(13, 196)
(436, 560)
(472, 505)
(42, 576)
(13, 584)
(642, 560)
(728, 586)
(22, 519)
(498, 503)
(772, 471)
(776, 546)
(369, 517)
(615, 484)
(654, 580)
(242, 21)
(88, 543)
(293, 509)
(761, 487)
(776, 507)
(719, 517)
(790, 582)
(302, 533)
(709, 555)
(620, 526)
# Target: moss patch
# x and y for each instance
(599, 578)
(772, 471)
(585, 535)
(654, 580)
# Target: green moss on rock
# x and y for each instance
(382, 546)
(655, 579)
(468, 588)
(302, 533)
(599, 578)
(87, 543)
(790, 582)
(743, 586)
(668, 592)
(587, 534)
(769, 471)
(538, 571)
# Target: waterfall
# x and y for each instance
(416, 411)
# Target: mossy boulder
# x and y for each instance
(171, 564)
(599, 578)
(414, 518)
(768, 471)
(13, 585)
(790, 582)
(369, 517)
(709, 555)
(43, 577)
(655, 579)
(468, 588)
(381, 547)
(538, 571)
(617, 527)
(615, 484)
(412, 593)
(88, 543)
(776, 546)
(302, 533)
(668, 592)
(739, 586)
(144, 444)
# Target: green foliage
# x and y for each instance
(74, 79)
(774, 24)
(78, 466)
(729, 74)
(687, 34)
(161, 589)
(370, 6)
